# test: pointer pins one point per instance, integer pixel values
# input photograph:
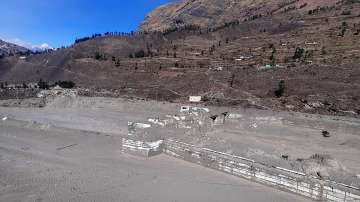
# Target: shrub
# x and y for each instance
(281, 89)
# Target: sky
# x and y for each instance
(57, 23)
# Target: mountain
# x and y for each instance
(212, 13)
(11, 49)
(298, 55)
(41, 48)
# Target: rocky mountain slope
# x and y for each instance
(297, 55)
(212, 13)
(7, 49)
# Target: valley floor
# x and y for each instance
(71, 151)
(70, 165)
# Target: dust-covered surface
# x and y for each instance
(293, 141)
(40, 162)
(323, 146)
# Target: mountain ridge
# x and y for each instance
(7, 49)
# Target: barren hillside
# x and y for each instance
(290, 55)
(210, 13)
(10, 49)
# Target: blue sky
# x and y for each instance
(59, 22)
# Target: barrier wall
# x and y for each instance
(280, 178)
(139, 148)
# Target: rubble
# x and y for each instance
(140, 148)
(159, 122)
(235, 116)
(326, 133)
(56, 92)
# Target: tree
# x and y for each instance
(140, 54)
(346, 12)
(281, 89)
(272, 57)
(24, 85)
(66, 84)
(298, 53)
(323, 50)
(272, 60)
(232, 79)
(343, 28)
(117, 63)
(43, 84)
(343, 31)
(98, 56)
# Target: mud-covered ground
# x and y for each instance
(290, 140)
(43, 163)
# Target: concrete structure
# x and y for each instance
(185, 109)
(195, 98)
(139, 148)
(277, 177)
(132, 126)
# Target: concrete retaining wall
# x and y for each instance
(139, 148)
(277, 177)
